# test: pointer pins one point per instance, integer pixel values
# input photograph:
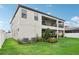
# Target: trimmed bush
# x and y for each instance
(39, 39)
(20, 42)
(33, 40)
(23, 41)
(52, 40)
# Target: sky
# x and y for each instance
(67, 12)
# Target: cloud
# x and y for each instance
(75, 19)
(74, 22)
(49, 13)
(4, 24)
(69, 23)
(1, 24)
(1, 6)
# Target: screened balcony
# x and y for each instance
(60, 24)
(48, 21)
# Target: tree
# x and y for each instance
(47, 34)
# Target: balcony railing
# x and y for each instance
(61, 26)
(49, 24)
(48, 21)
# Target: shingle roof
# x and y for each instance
(33, 10)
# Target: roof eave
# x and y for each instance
(33, 10)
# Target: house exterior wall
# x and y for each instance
(8, 35)
(29, 27)
(16, 24)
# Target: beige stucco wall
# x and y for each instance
(29, 28)
(15, 24)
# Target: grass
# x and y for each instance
(65, 46)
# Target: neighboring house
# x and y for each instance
(29, 23)
(72, 32)
(8, 34)
(2, 37)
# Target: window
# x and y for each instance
(36, 16)
(24, 13)
(18, 29)
(43, 22)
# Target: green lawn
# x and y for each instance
(65, 46)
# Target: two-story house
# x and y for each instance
(29, 23)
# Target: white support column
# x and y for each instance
(64, 30)
(57, 28)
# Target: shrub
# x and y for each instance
(52, 40)
(47, 34)
(19, 41)
(62, 35)
(23, 41)
(33, 40)
(54, 36)
(39, 39)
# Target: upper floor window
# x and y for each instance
(18, 29)
(24, 13)
(36, 16)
